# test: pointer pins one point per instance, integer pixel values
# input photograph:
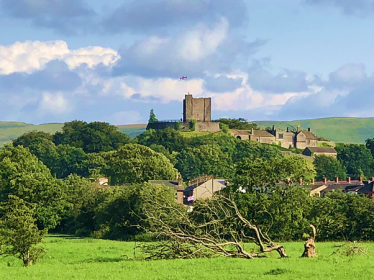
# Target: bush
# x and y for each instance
(192, 125)
(177, 125)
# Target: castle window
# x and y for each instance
(280, 136)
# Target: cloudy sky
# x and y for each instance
(115, 60)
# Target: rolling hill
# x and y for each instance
(345, 130)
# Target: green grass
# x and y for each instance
(344, 130)
(191, 134)
(76, 258)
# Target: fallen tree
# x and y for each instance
(215, 227)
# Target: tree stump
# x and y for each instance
(310, 246)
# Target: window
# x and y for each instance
(280, 136)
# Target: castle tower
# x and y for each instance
(196, 108)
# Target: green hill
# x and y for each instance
(344, 130)
(12, 130)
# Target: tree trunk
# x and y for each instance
(310, 246)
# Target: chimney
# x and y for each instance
(273, 127)
(252, 131)
(337, 180)
(309, 129)
(298, 128)
(325, 180)
(349, 180)
(313, 181)
(301, 181)
(360, 178)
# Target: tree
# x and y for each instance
(328, 167)
(152, 119)
(215, 227)
(24, 176)
(356, 159)
(204, 159)
(27, 138)
(263, 175)
(92, 137)
(19, 235)
(240, 123)
(369, 143)
(133, 163)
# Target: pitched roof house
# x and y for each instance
(203, 189)
(315, 151)
(176, 185)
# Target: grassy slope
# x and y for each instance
(11, 130)
(346, 130)
(75, 258)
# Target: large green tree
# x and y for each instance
(23, 175)
(19, 234)
(357, 160)
(152, 119)
(328, 167)
(263, 175)
(92, 137)
(133, 163)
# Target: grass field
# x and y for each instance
(344, 130)
(76, 258)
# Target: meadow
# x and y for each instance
(71, 257)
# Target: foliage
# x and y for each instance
(92, 137)
(192, 125)
(121, 216)
(328, 167)
(23, 175)
(357, 159)
(177, 125)
(134, 163)
(240, 123)
(162, 150)
(204, 159)
(263, 175)
(19, 235)
(224, 128)
(152, 119)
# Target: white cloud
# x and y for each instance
(54, 104)
(31, 55)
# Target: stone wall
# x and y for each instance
(196, 108)
(207, 126)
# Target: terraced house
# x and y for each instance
(298, 138)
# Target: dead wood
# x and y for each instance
(310, 246)
(215, 227)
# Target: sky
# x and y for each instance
(114, 61)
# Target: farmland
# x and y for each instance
(71, 257)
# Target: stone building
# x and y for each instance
(315, 151)
(298, 138)
(199, 109)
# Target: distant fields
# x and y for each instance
(345, 130)
(86, 258)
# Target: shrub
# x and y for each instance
(192, 125)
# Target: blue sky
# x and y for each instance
(115, 60)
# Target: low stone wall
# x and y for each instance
(199, 126)
(207, 126)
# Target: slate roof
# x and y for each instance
(327, 150)
(262, 133)
(309, 135)
(167, 183)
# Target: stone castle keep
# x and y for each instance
(198, 109)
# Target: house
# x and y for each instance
(176, 185)
(261, 136)
(298, 138)
(316, 151)
(304, 138)
(321, 188)
(102, 181)
(202, 187)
